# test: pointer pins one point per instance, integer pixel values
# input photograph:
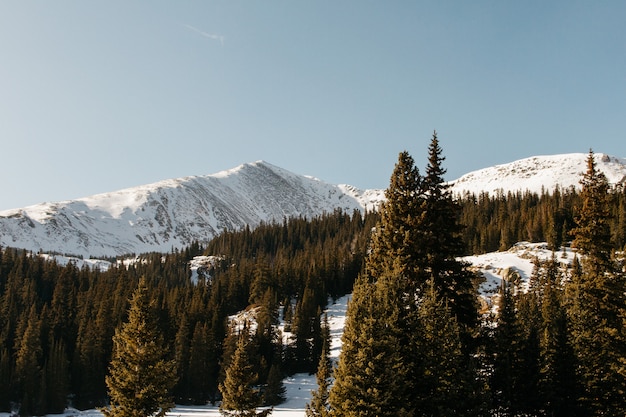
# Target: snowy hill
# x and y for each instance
(540, 171)
(173, 213)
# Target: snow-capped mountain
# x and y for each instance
(539, 172)
(173, 213)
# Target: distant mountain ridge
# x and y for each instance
(539, 172)
(173, 213)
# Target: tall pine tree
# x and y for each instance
(597, 310)
(319, 405)
(141, 376)
(440, 231)
(239, 395)
(371, 378)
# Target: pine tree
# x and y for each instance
(141, 376)
(597, 310)
(28, 371)
(507, 338)
(239, 397)
(557, 368)
(441, 238)
(592, 234)
(5, 379)
(445, 385)
(371, 378)
(57, 374)
(275, 391)
(200, 362)
(319, 405)
(395, 241)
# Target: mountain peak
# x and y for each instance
(173, 213)
(539, 173)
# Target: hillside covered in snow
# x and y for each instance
(174, 213)
(539, 173)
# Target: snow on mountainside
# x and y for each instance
(540, 171)
(173, 213)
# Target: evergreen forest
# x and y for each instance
(414, 342)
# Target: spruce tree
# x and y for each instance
(440, 233)
(505, 377)
(319, 405)
(557, 367)
(28, 371)
(275, 391)
(141, 376)
(446, 384)
(597, 309)
(395, 241)
(371, 378)
(57, 374)
(239, 396)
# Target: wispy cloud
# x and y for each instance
(207, 35)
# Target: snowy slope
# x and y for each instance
(498, 266)
(540, 171)
(173, 213)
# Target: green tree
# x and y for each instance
(275, 391)
(557, 365)
(57, 377)
(239, 396)
(396, 240)
(597, 309)
(28, 370)
(141, 375)
(507, 352)
(441, 238)
(319, 406)
(371, 378)
(446, 384)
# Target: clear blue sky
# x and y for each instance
(97, 96)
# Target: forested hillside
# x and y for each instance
(57, 322)
(495, 222)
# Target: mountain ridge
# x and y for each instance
(171, 214)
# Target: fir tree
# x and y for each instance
(592, 234)
(371, 377)
(141, 376)
(319, 406)
(57, 375)
(505, 378)
(440, 232)
(597, 309)
(275, 391)
(395, 241)
(28, 372)
(445, 385)
(557, 367)
(239, 396)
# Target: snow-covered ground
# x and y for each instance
(497, 266)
